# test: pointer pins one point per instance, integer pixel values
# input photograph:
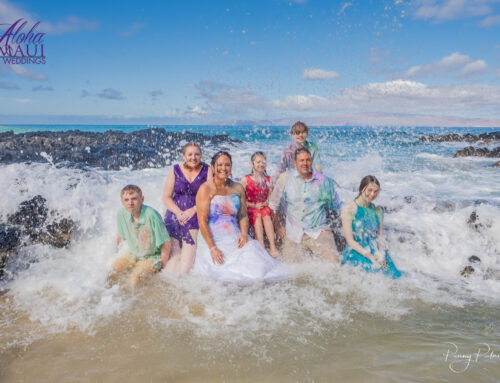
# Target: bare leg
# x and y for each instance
(188, 254)
(173, 263)
(269, 227)
(141, 270)
(120, 265)
(324, 246)
(259, 230)
(291, 251)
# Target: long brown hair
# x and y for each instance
(366, 181)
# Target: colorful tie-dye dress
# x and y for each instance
(248, 264)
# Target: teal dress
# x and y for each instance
(365, 227)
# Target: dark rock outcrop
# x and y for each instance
(111, 150)
(471, 151)
(10, 239)
(456, 137)
(33, 223)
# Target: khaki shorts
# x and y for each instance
(323, 246)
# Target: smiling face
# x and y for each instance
(192, 156)
(300, 137)
(222, 168)
(259, 164)
(303, 163)
(133, 202)
(370, 192)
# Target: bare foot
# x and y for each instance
(274, 253)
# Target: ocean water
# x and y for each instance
(59, 322)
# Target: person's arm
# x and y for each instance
(203, 208)
(242, 216)
(165, 253)
(118, 239)
(317, 160)
(284, 159)
(274, 203)
(210, 174)
(380, 235)
(243, 183)
(348, 214)
(168, 193)
(334, 202)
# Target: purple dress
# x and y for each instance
(185, 198)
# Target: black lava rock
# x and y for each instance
(111, 150)
(456, 137)
(470, 151)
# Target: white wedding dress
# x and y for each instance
(251, 263)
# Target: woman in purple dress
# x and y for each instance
(179, 196)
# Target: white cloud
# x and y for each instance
(9, 13)
(110, 94)
(9, 86)
(222, 94)
(475, 67)
(444, 10)
(398, 96)
(318, 74)
(195, 112)
(442, 67)
(72, 24)
(22, 71)
(465, 66)
(490, 21)
(22, 100)
(132, 30)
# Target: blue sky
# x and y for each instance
(420, 62)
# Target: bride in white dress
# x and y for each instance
(224, 251)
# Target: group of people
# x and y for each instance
(206, 227)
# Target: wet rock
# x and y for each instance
(467, 271)
(32, 223)
(111, 150)
(473, 221)
(58, 234)
(456, 137)
(474, 259)
(10, 239)
(471, 151)
(31, 214)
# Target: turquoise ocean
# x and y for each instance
(59, 321)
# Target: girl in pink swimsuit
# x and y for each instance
(258, 186)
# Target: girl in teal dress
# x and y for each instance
(364, 231)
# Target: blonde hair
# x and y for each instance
(192, 143)
(129, 189)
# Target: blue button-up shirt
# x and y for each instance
(306, 201)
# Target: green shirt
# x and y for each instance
(146, 237)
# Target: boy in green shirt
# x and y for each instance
(147, 238)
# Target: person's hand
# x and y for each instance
(281, 232)
(259, 205)
(184, 216)
(242, 241)
(217, 256)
